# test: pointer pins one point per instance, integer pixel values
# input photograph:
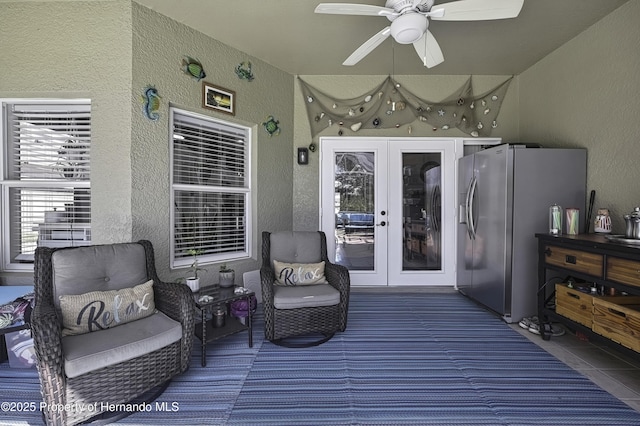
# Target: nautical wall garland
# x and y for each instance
(390, 105)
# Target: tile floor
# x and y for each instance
(613, 371)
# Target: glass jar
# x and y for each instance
(555, 220)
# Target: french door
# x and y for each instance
(388, 209)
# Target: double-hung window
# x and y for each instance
(45, 177)
(210, 189)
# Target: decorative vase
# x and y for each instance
(193, 283)
(227, 278)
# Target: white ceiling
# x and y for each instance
(290, 36)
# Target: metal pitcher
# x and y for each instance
(633, 224)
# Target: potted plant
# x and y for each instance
(193, 281)
(227, 276)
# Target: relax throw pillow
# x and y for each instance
(99, 310)
(290, 274)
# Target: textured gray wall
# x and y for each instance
(159, 45)
(109, 51)
(585, 94)
(79, 50)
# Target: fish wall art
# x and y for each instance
(193, 68)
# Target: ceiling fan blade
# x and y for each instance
(368, 46)
(354, 9)
(429, 50)
(479, 10)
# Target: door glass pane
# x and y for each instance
(421, 211)
(354, 209)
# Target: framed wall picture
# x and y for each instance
(219, 99)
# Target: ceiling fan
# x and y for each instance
(410, 22)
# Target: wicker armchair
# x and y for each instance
(301, 310)
(78, 270)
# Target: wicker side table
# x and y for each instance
(211, 298)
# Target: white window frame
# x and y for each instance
(7, 183)
(178, 257)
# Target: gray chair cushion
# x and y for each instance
(87, 352)
(97, 268)
(307, 296)
(295, 247)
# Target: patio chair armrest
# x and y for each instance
(338, 276)
(46, 331)
(176, 301)
(267, 277)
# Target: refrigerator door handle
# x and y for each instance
(472, 199)
(467, 209)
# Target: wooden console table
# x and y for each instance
(595, 259)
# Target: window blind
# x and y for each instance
(47, 176)
(210, 188)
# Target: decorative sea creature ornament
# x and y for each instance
(193, 67)
(494, 124)
(480, 125)
(309, 99)
(351, 112)
(494, 98)
(243, 71)
(151, 100)
(356, 126)
(271, 126)
(368, 98)
(474, 134)
(473, 105)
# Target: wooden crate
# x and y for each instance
(574, 304)
(618, 318)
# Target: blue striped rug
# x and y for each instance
(405, 359)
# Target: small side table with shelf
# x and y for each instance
(210, 298)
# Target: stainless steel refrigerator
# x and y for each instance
(504, 195)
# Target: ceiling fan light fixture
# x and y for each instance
(408, 28)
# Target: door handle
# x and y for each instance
(383, 223)
(466, 210)
(472, 200)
